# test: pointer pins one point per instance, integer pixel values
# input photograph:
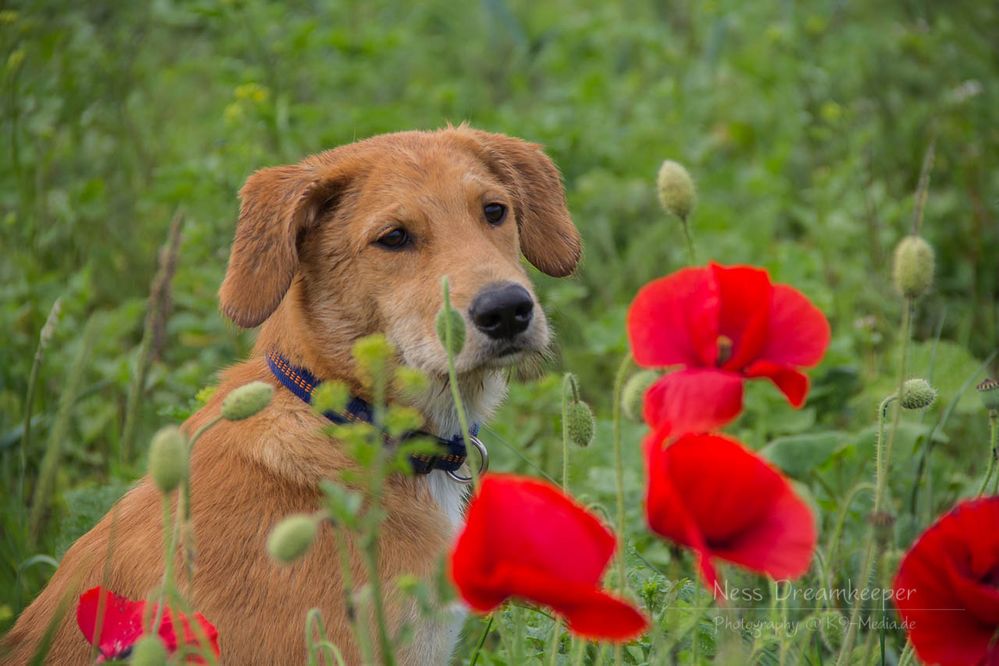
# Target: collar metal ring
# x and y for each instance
(483, 461)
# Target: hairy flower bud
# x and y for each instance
(917, 394)
(988, 391)
(457, 329)
(373, 354)
(330, 397)
(913, 269)
(411, 382)
(247, 400)
(291, 538)
(168, 458)
(580, 423)
(676, 189)
(831, 625)
(149, 651)
(633, 394)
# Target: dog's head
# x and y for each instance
(357, 239)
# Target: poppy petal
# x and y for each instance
(526, 521)
(674, 320)
(587, 610)
(695, 400)
(945, 588)
(121, 625)
(713, 494)
(793, 384)
(745, 294)
(799, 333)
(514, 544)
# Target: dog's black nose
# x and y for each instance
(501, 311)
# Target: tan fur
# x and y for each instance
(303, 264)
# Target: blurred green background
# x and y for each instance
(805, 125)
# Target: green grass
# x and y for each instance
(804, 124)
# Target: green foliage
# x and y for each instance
(803, 124)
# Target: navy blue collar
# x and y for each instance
(302, 383)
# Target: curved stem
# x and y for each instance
(568, 392)
(689, 238)
(875, 543)
(184, 507)
(170, 550)
(619, 378)
(452, 375)
(993, 450)
(482, 640)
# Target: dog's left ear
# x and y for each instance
(548, 238)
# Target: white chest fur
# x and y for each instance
(435, 638)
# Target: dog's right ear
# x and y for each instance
(278, 205)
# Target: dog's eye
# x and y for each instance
(495, 213)
(395, 239)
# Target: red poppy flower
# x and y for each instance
(524, 538)
(123, 625)
(721, 325)
(714, 495)
(947, 587)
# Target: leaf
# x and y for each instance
(797, 455)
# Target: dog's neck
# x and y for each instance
(481, 391)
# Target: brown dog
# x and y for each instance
(346, 243)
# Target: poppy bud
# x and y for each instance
(988, 391)
(247, 400)
(400, 420)
(891, 562)
(372, 353)
(913, 271)
(410, 381)
(676, 189)
(148, 651)
(831, 624)
(917, 394)
(633, 394)
(330, 397)
(168, 458)
(580, 422)
(291, 537)
(457, 329)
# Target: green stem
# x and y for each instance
(619, 379)
(689, 238)
(692, 625)
(482, 641)
(184, 507)
(881, 452)
(29, 399)
(518, 635)
(60, 431)
(579, 652)
(170, 529)
(568, 391)
(993, 449)
(371, 560)
(907, 654)
(553, 644)
(158, 294)
(876, 543)
(902, 374)
(358, 621)
(371, 528)
(452, 375)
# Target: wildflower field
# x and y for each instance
(767, 433)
